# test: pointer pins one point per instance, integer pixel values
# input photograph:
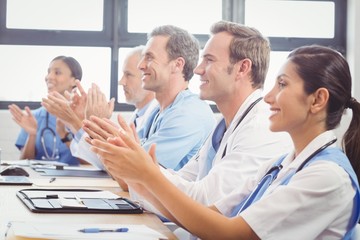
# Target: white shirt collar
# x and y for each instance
(248, 101)
(314, 145)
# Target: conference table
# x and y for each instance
(12, 209)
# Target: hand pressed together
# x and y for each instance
(103, 128)
(124, 158)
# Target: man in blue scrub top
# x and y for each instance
(182, 122)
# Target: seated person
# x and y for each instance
(73, 108)
(242, 140)
(38, 138)
(182, 122)
(311, 193)
(94, 103)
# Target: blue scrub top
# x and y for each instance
(179, 131)
(62, 152)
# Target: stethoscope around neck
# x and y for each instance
(47, 130)
(271, 175)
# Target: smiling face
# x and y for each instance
(289, 104)
(215, 69)
(59, 77)
(155, 64)
(131, 80)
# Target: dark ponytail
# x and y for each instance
(323, 67)
(351, 139)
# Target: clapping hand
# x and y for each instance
(26, 119)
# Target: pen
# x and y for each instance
(79, 200)
(98, 230)
(8, 226)
(52, 180)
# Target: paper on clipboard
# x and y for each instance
(62, 231)
(71, 194)
(69, 182)
(33, 162)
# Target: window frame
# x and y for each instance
(338, 42)
(115, 21)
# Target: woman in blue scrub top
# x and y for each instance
(38, 138)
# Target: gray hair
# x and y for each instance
(181, 44)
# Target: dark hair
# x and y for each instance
(323, 67)
(180, 44)
(248, 43)
(73, 64)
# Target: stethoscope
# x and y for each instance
(271, 175)
(44, 131)
(252, 105)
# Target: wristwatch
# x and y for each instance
(68, 137)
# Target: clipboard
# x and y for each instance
(73, 173)
(15, 180)
(76, 201)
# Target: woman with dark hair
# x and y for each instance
(40, 136)
(310, 193)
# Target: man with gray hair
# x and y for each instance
(143, 100)
(182, 122)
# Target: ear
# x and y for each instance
(73, 82)
(178, 64)
(243, 67)
(320, 100)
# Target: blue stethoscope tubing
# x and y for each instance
(42, 138)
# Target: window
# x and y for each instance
(277, 59)
(184, 14)
(290, 23)
(55, 14)
(23, 69)
(291, 18)
(98, 33)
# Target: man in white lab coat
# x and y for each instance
(232, 73)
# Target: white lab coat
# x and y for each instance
(316, 203)
(250, 145)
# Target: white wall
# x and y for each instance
(8, 133)
(9, 129)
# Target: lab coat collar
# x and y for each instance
(315, 144)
